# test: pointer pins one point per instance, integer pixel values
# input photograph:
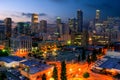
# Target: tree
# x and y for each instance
(88, 60)
(4, 53)
(86, 75)
(117, 76)
(83, 54)
(63, 71)
(44, 77)
(79, 58)
(3, 76)
(55, 73)
(8, 49)
(35, 44)
(100, 51)
(94, 56)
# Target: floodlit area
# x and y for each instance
(75, 71)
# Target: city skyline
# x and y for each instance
(50, 9)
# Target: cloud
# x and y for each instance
(42, 14)
(24, 16)
(28, 15)
(15, 15)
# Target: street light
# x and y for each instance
(76, 75)
(79, 69)
(52, 79)
(3, 50)
(68, 42)
(70, 70)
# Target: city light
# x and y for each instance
(54, 49)
(79, 69)
(48, 73)
(70, 70)
(68, 42)
(3, 50)
(52, 79)
(53, 41)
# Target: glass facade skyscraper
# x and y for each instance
(79, 21)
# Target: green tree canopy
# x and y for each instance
(86, 75)
(4, 53)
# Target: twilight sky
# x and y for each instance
(20, 10)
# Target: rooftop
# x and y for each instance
(35, 66)
(30, 63)
(113, 54)
(111, 63)
(9, 59)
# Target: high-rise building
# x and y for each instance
(58, 24)
(79, 21)
(72, 25)
(43, 26)
(98, 22)
(8, 24)
(2, 33)
(61, 28)
(58, 20)
(34, 24)
(97, 14)
(23, 28)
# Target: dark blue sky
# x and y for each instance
(20, 10)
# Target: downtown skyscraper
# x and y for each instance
(8, 24)
(79, 21)
(43, 26)
(34, 24)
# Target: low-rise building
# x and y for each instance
(11, 61)
(109, 64)
(21, 45)
(31, 69)
(34, 70)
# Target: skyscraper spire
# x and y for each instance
(97, 14)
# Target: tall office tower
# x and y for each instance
(58, 23)
(79, 21)
(91, 26)
(72, 25)
(58, 20)
(2, 33)
(61, 28)
(97, 14)
(23, 28)
(8, 24)
(43, 26)
(34, 24)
